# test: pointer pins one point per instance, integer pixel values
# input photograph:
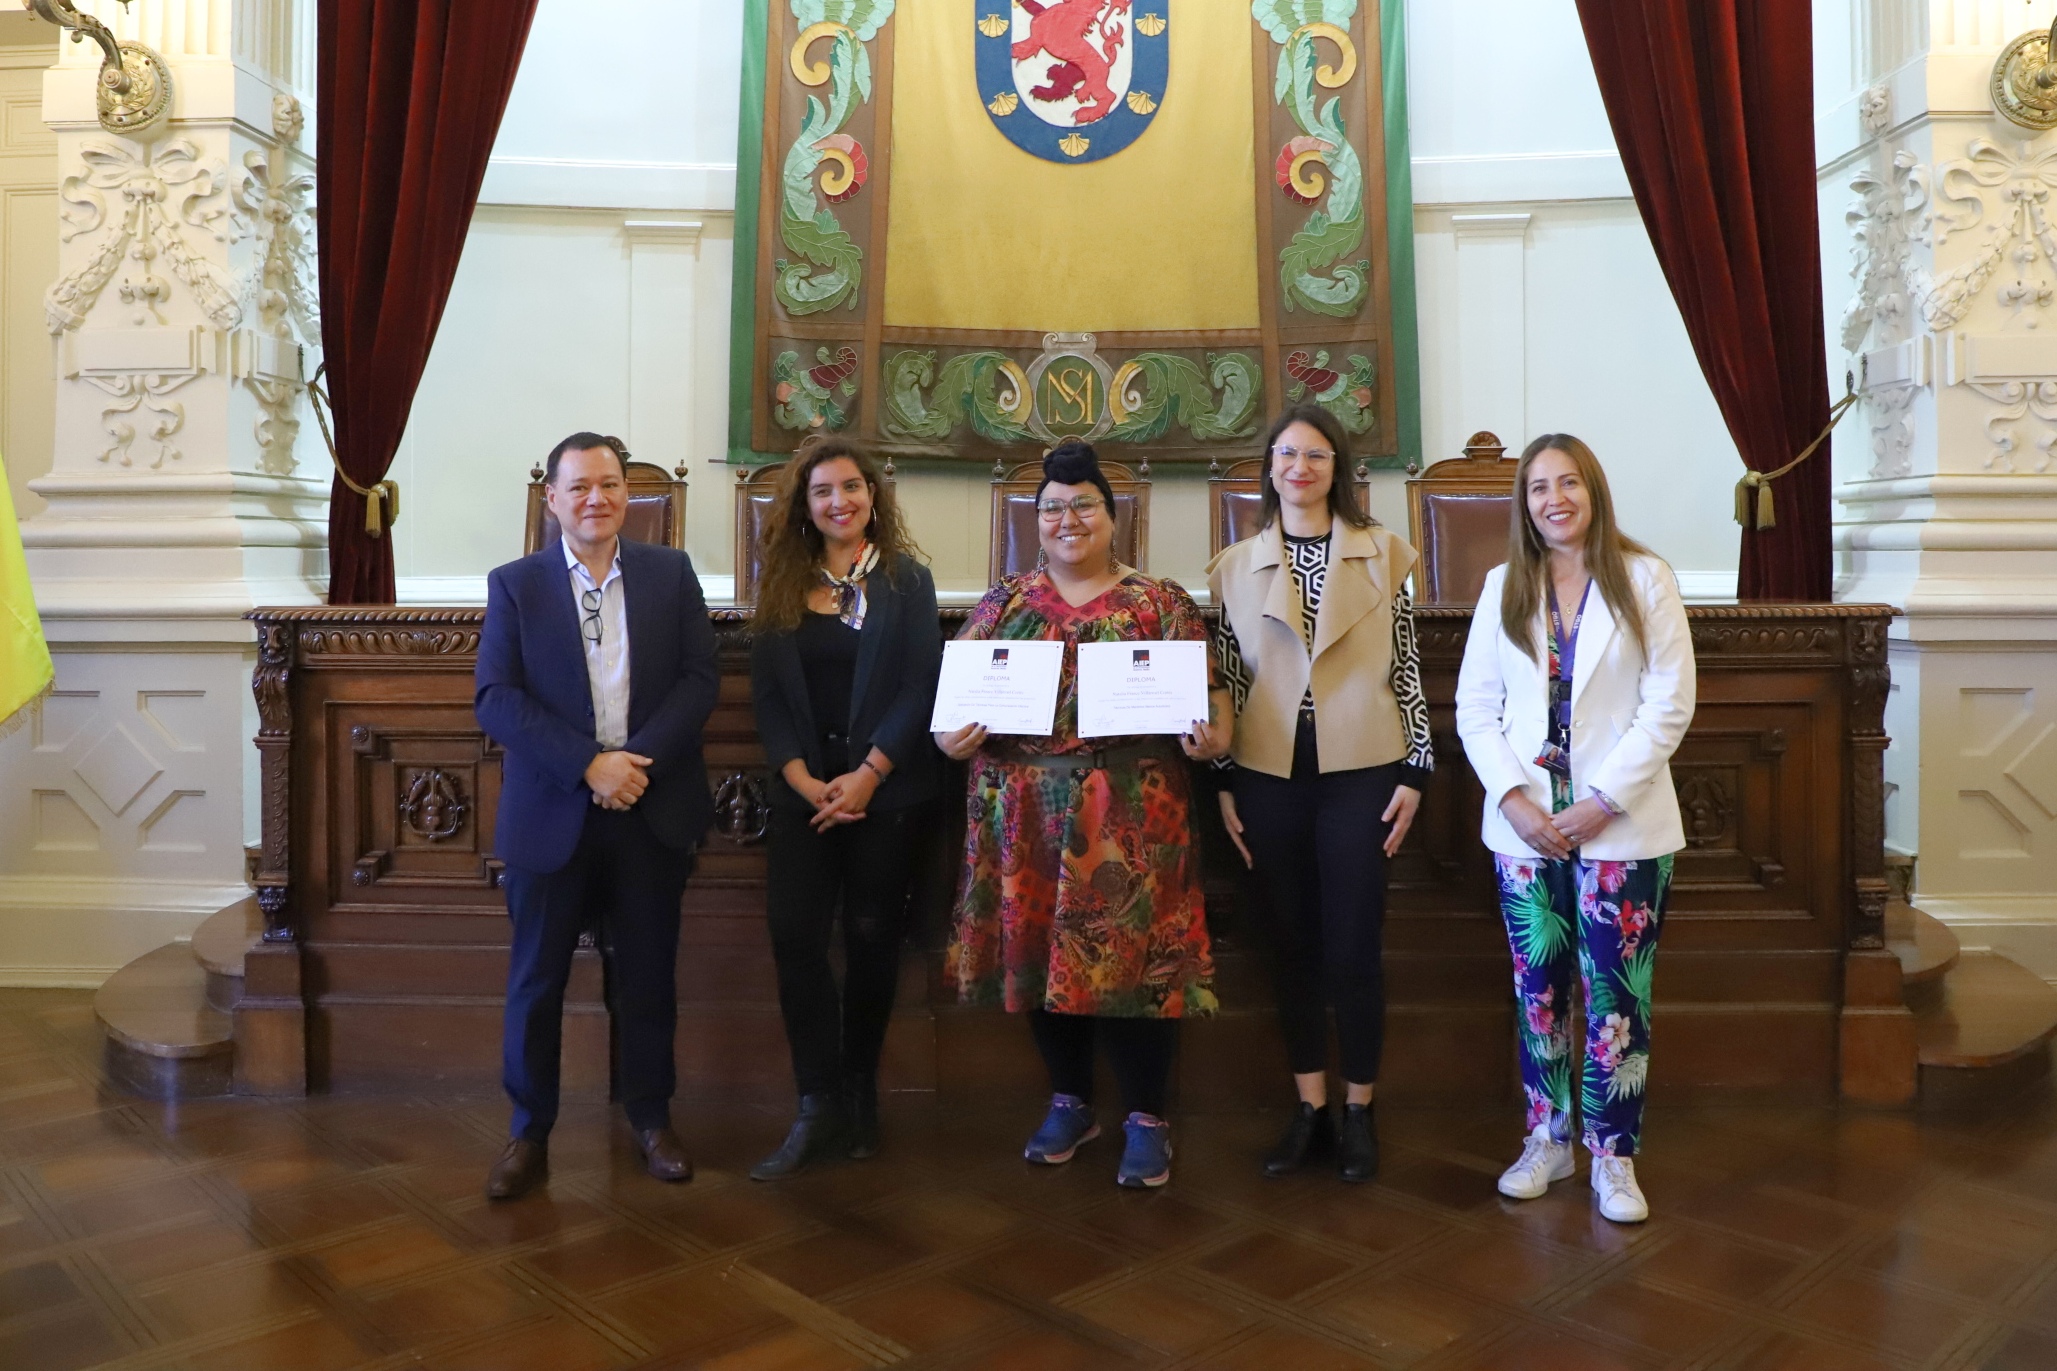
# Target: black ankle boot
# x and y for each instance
(1309, 1136)
(816, 1131)
(861, 1107)
(1357, 1147)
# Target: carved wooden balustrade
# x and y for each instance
(385, 944)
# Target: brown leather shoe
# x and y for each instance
(522, 1167)
(664, 1155)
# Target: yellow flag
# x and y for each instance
(25, 669)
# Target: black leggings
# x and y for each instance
(1139, 1050)
(1320, 877)
(869, 865)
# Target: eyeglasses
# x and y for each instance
(589, 601)
(1315, 456)
(1081, 505)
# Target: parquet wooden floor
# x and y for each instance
(351, 1233)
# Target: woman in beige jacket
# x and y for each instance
(1331, 749)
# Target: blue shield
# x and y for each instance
(1072, 80)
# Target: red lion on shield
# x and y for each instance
(1067, 30)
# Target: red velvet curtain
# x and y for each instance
(410, 95)
(1712, 103)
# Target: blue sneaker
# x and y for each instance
(1069, 1123)
(1146, 1160)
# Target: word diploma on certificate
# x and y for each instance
(1010, 686)
(1131, 688)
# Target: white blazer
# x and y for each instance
(1628, 713)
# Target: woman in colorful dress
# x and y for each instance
(1332, 748)
(1578, 683)
(843, 660)
(1080, 904)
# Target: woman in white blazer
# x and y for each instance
(1577, 685)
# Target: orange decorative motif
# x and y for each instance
(1294, 169)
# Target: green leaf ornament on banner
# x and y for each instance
(830, 265)
(1153, 388)
(1312, 273)
(988, 388)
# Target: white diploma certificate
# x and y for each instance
(1008, 685)
(1128, 688)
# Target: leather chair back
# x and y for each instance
(755, 493)
(656, 513)
(1457, 512)
(1235, 501)
(1015, 535)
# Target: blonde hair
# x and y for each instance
(1528, 556)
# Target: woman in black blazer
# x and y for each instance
(845, 651)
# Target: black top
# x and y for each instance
(887, 691)
(828, 659)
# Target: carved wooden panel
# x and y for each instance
(413, 797)
(373, 764)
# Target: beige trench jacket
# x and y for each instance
(1349, 663)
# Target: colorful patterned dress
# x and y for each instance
(1081, 889)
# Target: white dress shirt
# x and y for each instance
(607, 661)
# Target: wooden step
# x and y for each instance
(219, 946)
(1988, 1034)
(164, 1039)
(1927, 949)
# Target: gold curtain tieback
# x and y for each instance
(381, 498)
(1753, 493)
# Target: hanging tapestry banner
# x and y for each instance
(1164, 220)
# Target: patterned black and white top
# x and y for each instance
(1307, 559)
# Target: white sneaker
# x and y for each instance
(1543, 1159)
(1621, 1199)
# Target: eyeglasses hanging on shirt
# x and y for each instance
(589, 601)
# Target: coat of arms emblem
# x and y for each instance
(1072, 80)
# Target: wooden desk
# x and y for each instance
(385, 950)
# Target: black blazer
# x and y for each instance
(899, 655)
(535, 700)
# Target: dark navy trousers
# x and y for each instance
(625, 885)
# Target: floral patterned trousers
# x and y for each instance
(1607, 914)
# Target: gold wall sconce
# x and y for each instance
(2025, 80)
(134, 91)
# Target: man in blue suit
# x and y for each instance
(596, 674)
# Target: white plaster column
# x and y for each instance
(181, 490)
(664, 256)
(1947, 475)
(1492, 323)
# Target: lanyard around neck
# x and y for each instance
(1567, 642)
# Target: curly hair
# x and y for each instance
(793, 546)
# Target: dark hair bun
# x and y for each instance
(1073, 463)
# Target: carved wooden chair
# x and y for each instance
(1235, 500)
(1015, 542)
(657, 508)
(1457, 513)
(755, 490)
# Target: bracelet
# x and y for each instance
(874, 770)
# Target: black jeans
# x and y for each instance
(625, 883)
(1139, 1050)
(866, 867)
(1320, 881)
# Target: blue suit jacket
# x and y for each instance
(899, 655)
(534, 699)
